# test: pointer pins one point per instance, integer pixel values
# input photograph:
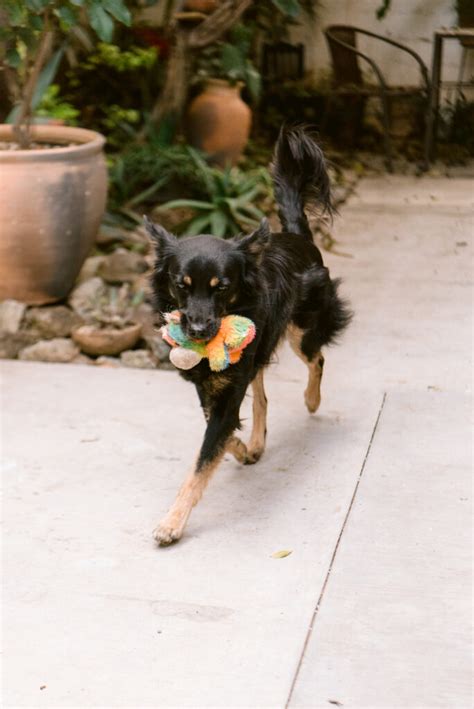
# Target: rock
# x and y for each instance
(103, 361)
(82, 359)
(90, 268)
(12, 342)
(11, 315)
(106, 341)
(145, 315)
(86, 297)
(109, 235)
(141, 287)
(52, 321)
(57, 350)
(141, 359)
(122, 265)
(159, 348)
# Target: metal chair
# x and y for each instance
(348, 79)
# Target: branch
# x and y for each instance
(19, 129)
(216, 24)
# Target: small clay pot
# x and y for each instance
(218, 122)
(107, 341)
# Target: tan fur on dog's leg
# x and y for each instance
(252, 452)
(312, 395)
(171, 528)
(256, 444)
(238, 449)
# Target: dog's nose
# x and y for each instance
(197, 330)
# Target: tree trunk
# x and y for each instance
(172, 99)
(21, 127)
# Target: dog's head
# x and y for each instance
(204, 277)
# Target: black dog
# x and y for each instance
(278, 281)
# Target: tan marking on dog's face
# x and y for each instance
(187, 280)
(214, 282)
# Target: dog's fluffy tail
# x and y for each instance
(301, 179)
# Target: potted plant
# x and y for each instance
(53, 179)
(218, 121)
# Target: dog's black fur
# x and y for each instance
(276, 280)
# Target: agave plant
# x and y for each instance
(231, 204)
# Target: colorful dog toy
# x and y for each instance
(225, 348)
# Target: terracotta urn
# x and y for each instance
(51, 204)
(218, 122)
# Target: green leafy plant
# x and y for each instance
(137, 174)
(52, 106)
(111, 55)
(111, 87)
(230, 61)
(34, 39)
(231, 204)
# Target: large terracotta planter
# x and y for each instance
(218, 122)
(51, 204)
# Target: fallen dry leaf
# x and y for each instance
(281, 554)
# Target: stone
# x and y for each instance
(90, 268)
(110, 235)
(145, 315)
(106, 341)
(159, 348)
(86, 297)
(122, 265)
(141, 359)
(58, 350)
(52, 321)
(11, 315)
(12, 342)
(82, 359)
(104, 361)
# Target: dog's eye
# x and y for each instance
(222, 286)
(181, 286)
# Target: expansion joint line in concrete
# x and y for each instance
(334, 554)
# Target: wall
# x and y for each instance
(411, 22)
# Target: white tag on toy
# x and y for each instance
(183, 358)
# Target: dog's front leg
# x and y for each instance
(223, 419)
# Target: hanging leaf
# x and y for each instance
(13, 58)
(45, 79)
(288, 7)
(253, 80)
(119, 10)
(101, 22)
(66, 15)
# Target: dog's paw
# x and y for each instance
(238, 449)
(253, 455)
(312, 400)
(165, 534)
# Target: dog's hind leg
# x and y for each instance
(315, 364)
(248, 454)
(223, 419)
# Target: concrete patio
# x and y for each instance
(372, 496)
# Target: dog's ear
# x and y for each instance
(255, 243)
(162, 240)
